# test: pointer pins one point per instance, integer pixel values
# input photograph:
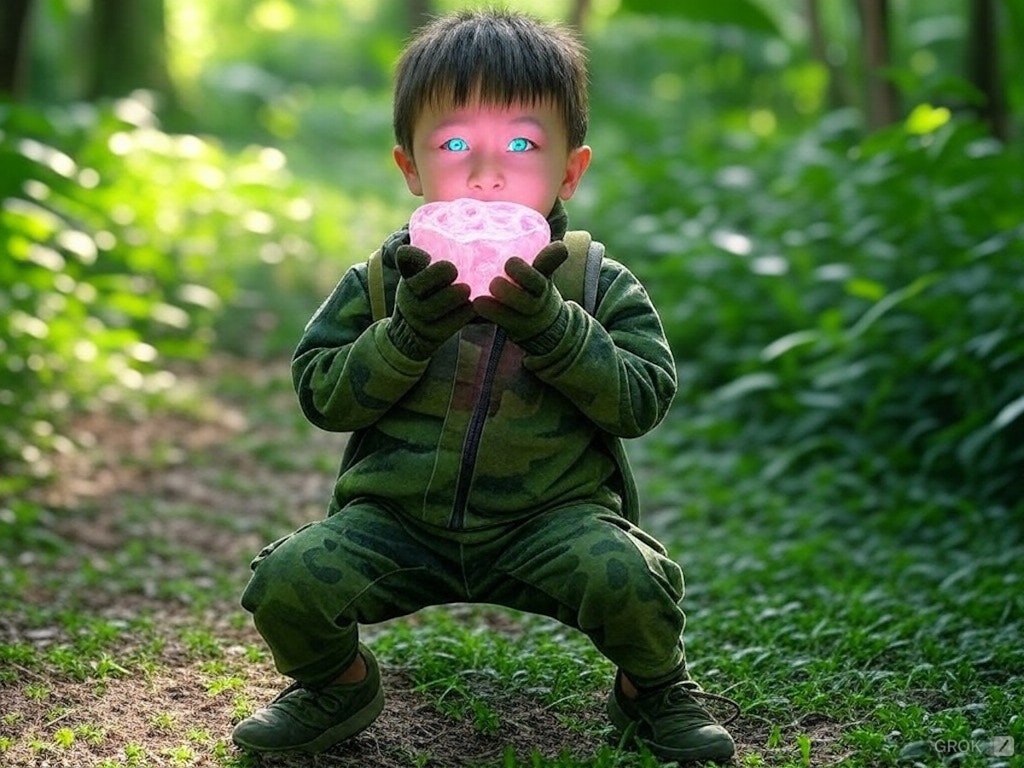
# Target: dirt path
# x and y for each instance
(156, 518)
(155, 521)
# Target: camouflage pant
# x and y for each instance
(582, 565)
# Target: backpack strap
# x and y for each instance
(592, 275)
(578, 276)
(375, 284)
(576, 279)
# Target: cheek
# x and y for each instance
(437, 177)
(539, 172)
(543, 184)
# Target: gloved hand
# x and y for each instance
(429, 306)
(528, 304)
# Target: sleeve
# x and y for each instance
(615, 366)
(346, 370)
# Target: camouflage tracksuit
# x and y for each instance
(491, 473)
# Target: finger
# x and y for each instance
(448, 299)
(525, 276)
(550, 258)
(512, 297)
(411, 260)
(490, 309)
(433, 278)
(457, 317)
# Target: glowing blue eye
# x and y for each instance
(520, 145)
(456, 145)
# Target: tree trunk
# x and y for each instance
(14, 16)
(882, 99)
(129, 49)
(837, 95)
(983, 66)
(579, 14)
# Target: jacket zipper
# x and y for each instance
(474, 432)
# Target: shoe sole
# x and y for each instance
(346, 729)
(723, 751)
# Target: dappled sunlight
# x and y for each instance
(47, 156)
(733, 242)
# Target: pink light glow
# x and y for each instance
(478, 237)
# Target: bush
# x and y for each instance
(854, 302)
(125, 247)
(927, 373)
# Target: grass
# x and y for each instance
(855, 625)
(823, 601)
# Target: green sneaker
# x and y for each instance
(304, 720)
(672, 723)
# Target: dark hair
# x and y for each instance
(500, 56)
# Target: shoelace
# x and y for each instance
(323, 703)
(692, 689)
(732, 703)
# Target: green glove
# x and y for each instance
(429, 306)
(527, 304)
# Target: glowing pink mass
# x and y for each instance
(478, 237)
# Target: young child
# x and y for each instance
(485, 462)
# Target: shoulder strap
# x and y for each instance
(576, 278)
(375, 284)
(592, 275)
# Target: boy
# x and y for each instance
(485, 462)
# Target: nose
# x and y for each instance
(486, 175)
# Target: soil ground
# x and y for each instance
(186, 498)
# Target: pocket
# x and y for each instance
(268, 550)
(665, 570)
(637, 533)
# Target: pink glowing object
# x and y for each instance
(478, 237)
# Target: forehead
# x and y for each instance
(544, 114)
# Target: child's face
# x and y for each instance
(517, 154)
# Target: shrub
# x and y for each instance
(123, 247)
(854, 301)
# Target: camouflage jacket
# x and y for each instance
(484, 433)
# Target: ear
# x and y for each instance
(575, 167)
(407, 166)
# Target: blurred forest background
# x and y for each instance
(824, 197)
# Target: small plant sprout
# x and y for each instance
(163, 722)
(64, 738)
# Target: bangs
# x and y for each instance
(487, 67)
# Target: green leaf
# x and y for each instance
(865, 289)
(925, 118)
(738, 13)
(887, 303)
(1008, 413)
(744, 385)
(781, 346)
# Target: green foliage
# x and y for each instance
(836, 297)
(914, 360)
(831, 296)
(125, 248)
(741, 13)
(900, 625)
